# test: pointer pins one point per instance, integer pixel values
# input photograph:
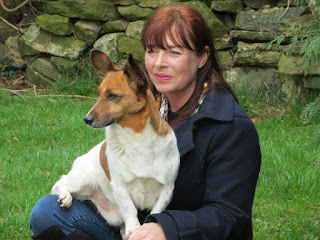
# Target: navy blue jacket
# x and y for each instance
(219, 168)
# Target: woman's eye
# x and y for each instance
(111, 96)
(150, 51)
(175, 52)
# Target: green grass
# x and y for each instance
(287, 201)
(41, 136)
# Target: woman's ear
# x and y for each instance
(204, 56)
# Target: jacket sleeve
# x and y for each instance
(232, 166)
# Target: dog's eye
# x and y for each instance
(112, 96)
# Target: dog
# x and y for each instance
(135, 168)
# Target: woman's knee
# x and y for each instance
(42, 213)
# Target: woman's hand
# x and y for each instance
(148, 231)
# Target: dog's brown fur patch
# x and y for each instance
(104, 161)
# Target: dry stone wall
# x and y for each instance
(68, 29)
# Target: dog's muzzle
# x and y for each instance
(89, 119)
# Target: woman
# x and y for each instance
(218, 143)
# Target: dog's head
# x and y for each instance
(121, 93)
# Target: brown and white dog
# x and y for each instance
(136, 166)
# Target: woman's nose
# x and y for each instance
(161, 59)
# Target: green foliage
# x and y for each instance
(4, 63)
(299, 2)
(311, 111)
(5, 68)
(307, 36)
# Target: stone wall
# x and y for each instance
(70, 28)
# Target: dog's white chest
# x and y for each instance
(140, 155)
(144, 192)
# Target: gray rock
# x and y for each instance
(109, 45)
(228, 19)
(155, 3)
(20, 54)
(311, 82)
(254, 36)
(226, 59)
(257, 59)
(232, 6)
(134, 12)
(129, 45)
(46, 42)
(87, 31)
(252, 78)
(267, 19)
(222, 43)
(115, 26)
(38, 79)
(257, 55)
(265, 84)
(292, 88)
(135, 29)
(243, 46)
(42, 72)
(217, 27)
(298, 21)
(85, 9)
(55, 24)
(294, 65)
(63, 64)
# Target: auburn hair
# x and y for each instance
(186, 28)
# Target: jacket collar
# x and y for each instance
(217, 105)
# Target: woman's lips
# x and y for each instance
(162, 77)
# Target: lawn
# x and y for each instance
(41, 136)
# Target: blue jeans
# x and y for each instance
(81, 215)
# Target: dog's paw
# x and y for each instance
(130, 229)
(65, 199)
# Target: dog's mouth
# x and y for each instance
(89, 120)
(102, 125)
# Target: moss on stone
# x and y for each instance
(46, 42)
(129, 45)
(55, 24)
(134, 12)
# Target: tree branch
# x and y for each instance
(14, 27)
(288, 5)
(13, 9)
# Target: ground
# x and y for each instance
(17, 84)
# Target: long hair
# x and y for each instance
(185, 27)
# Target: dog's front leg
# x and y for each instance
(127, 208)
(164, 198)
(72, 184)
(62, 190)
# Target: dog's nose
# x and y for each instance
(88, 119)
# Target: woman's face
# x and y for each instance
(173, 71)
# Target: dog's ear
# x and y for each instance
(101, 63)
(136, 77)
